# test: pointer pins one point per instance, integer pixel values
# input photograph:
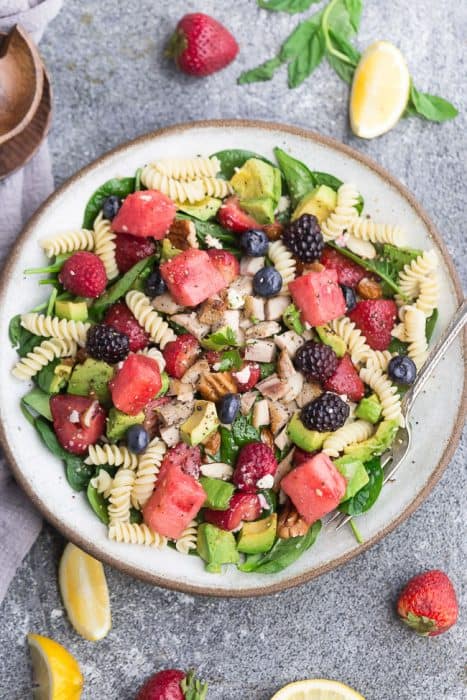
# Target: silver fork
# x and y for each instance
(398, 452)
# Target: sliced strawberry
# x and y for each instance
(345, 380)
(121, 318)
(187, 458)
(242, 507)
(226, 263)
(247, 377)
(135, 384)
(348, 272)
(180, 354)
(145, 213)
(376, 319)
(78, 421)
(232, 217)
(131, 249)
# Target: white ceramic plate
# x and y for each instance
(42, 476)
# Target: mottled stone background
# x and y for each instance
(111, 84)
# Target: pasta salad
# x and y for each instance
(221, 360)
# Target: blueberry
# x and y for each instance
(254, 243)
(228, 407)
(267, 282)
(402, 370)
(349, 296)
(155, 285)
(110, 206)
(137, 439)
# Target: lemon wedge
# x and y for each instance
(380, 90)
(84, 593)
(56, 674)
(317, 689)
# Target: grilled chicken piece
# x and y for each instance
(214, 385)
(254, 308)
(246, 401)
(278, 416)
(174, 413)
(294, 387)
(182, 391)
(264, 329)
(170, 435)
(194, 372)
(289, 341)
(237, 292)
(285, 368)
(182, 234)
(282, 440)
(283, 468)
(260, 350)
(166, 305)
(231, 319)
(260, 414)
(272, 387)
(191, 324)
(212, 311)
(276, 306)
(310, 391)
(250, 266)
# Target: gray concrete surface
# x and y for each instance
(112, 83)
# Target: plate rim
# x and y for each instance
(452, 442)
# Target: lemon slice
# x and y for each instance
(380, 90)
(317, 689)
(56, 674)
(84, 592)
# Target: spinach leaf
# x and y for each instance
(230, 359)
(430, 324)
(20, 338)
(136, 516)
(39, 401)
(292, 320)
(233, 158)
(283, 553)
(398, 346)
(229, 449)
(290, 6)
(98, 503)
(121, 287)
(431, 107)
(367, 496)
(14, 330)
(138, 185)
(243, 432)
(261, 73)
(400, 257)
(300, 180)
(121, 187)
(326, 179)
(220, 340)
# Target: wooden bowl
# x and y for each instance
(21, 82)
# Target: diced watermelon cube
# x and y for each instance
(145, 213)
(318, 296)
(315, 488)
(175, 502)
(192, 277)
(135, 384)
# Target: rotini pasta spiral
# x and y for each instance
(187, 168)
(343, 215)
(113, 455)
(356, 342)
(103, 482)
(105, 245)
(379, 359)
(415, 335)
(283, 261)
(120, 496)
(413, 274)
(188, 538)
(158, 329)
(357, 431)
(68, 242)
(179, 191)
(214, 187)
(42, 354)
(428, 298)
(368, 230)
(386, 392)
(132, 533)
(156, 355)
(54, 327)
(147, 471)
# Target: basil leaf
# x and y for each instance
(297, 41)
(230, 359)
(229, 448)
(283, 553)
(121, 187)
(121, 287)
(243, 432)
(367, 496)
(98, 503)
(290, 6)
(229, 240)
(261, 73)
(431, 107)
(233, 158)
(220, 340)
(345, 59)
(300, 180)
(430, 324)
(343, 17)
(309, 58)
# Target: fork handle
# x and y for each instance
(455, 326)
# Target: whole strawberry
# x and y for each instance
(428, 603)
(201, 45)
(173, 685)
(83, 274)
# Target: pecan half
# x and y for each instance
(369, 288)
(290, 523)
(303, 268)
(274, 231)
(212, 444)
(182, 234)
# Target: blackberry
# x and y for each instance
(316, 361)
(105, 343)
(326, 413)
(304, 238)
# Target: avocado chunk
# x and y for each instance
(218, 492)
(376, 444)
(258, 185)
(328, 337)
(165, 385)
(260, 209)
(321, 202)
(204, 210)
(54, 376)
(39, 401)
(72, 310)
(119, 422)
(168, 251)
(91, 377)
(308, 440)
(258, 536)
(216, 547)
(354, 472)
(369, 409)
(202, 422)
